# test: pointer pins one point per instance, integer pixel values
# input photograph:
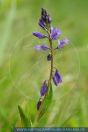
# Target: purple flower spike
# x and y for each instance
(43, 89)
(41, 47)
(38, 105)
(57, 78)
(39, 35)
(61, 43)
(55, 33)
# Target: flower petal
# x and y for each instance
(39, 35)
(55, 33)
(57, 78)
(41, 23)
(43, 89)
(62, 42)
(41, 47)
(44, 47)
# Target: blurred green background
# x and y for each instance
(22, 70)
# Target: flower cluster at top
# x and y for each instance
(52, 34)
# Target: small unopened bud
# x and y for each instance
(49, 57)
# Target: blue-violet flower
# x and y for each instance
(45, 19)
(41, 47)
(62, 42)
(39, 35)
(43, 89)
(57, 78)
(55, 33)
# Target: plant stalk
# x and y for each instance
(51, 70)
(50, 77)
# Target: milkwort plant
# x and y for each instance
(52, 34)
(46, 93)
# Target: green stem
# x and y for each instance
(51, 70)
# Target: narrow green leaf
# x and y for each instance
(24, 119)
(46, 103)
(7, 30)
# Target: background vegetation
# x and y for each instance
(22, 70)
